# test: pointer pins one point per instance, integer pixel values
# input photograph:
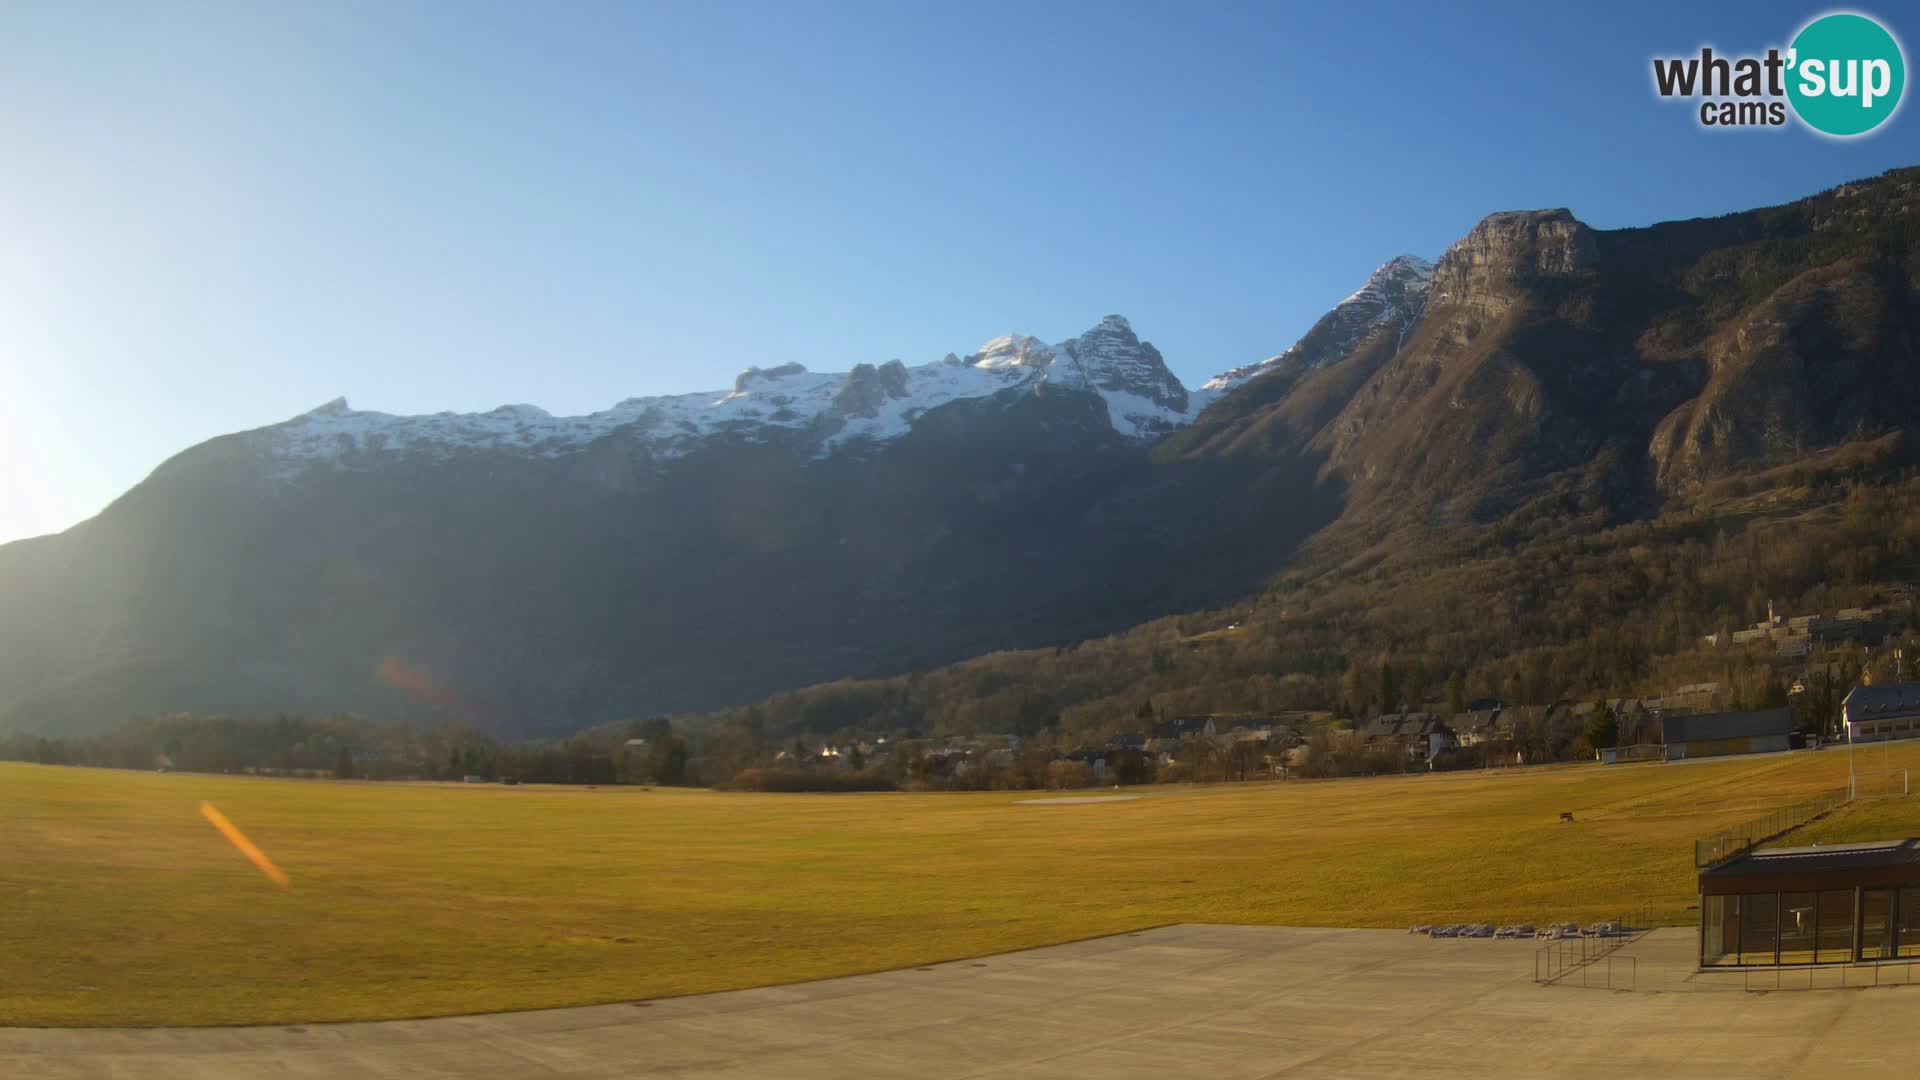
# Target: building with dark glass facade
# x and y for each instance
(1832, 904)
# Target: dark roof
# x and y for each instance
(1384, 726)
(1402, 725)
(1727, 725)
(1885, 863)
(1478, 719)
(1887, 699)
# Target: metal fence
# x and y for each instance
(1589, 960)
(1613, 971)
(1720, 847)
(1831, 976)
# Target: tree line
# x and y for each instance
(347, 747)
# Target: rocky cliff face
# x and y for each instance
(1634, 366)
(1508, 249)
(1826, 358)
(867, 388)
(1454, 386)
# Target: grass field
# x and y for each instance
(120, 905)
(1877, 819)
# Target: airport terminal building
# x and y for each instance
(1833, 904)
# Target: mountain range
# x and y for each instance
(537, 574)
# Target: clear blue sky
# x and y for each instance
(215, 216)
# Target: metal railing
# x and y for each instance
(1856, 975)
(1718, 848)
(1592, 957)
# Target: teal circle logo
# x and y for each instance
(1846, 74)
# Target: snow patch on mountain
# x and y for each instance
(1013, 351)
(1397, 289)
(873, 403)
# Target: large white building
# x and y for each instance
(1876, 713)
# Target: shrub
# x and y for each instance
(1069, 774)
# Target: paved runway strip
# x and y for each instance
(1215, 1001)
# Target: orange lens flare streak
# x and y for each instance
(219, 821)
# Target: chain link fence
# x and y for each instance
(1718, 848)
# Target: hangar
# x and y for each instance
(1831, 904)
(1716, 734)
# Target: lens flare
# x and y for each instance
(239, 839)
(418, 684)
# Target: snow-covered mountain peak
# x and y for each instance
(1012, 350)
(1394, 281)
(1395, 292)
(870, 403)
(1129, 373)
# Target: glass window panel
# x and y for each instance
(1836, 926)
(1907, 919)
(1759, 925)
(1716, 946)
(1876, 924)
(1730, 937)
(1796, 928)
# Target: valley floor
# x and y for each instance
(123, 907)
